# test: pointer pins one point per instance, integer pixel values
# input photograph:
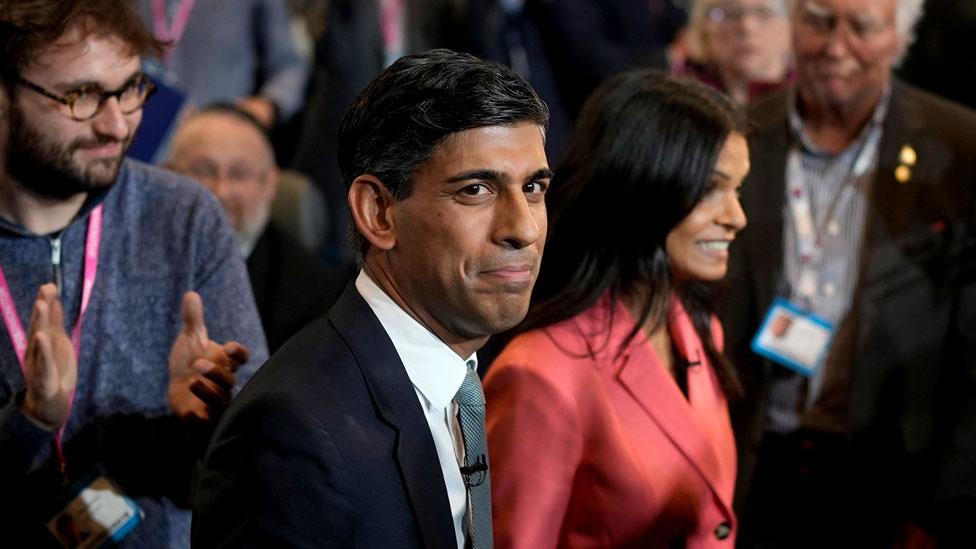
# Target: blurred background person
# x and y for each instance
(241, 51)
(359, 39)
(501, 31)
(225, 148)
(587, 41)
(607, 417)
(861, 207)
(741, 47)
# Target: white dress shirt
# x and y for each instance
(436, 373)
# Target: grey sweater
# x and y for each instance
(161, 236)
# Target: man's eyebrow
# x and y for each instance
(495, 175)
(73, 85)
(482, 174)
(544, 173)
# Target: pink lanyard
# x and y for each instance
(391, 12)
(171, 32)
(16, 330)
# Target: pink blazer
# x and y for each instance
(589, 450)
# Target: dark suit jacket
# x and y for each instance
(292, 287)
(327, 446)
(912, 412)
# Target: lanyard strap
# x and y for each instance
(12, 320)
(171, 32)
(391, 27)
(809, 235)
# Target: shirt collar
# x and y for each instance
(434, 369)
(800, 134)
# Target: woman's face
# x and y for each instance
(698, 247)
(748, 39)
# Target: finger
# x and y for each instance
(236, 354)
(211, 395)
(193, 323)
(44, 377)
(39, 317)
(57, 312)
(218, 374)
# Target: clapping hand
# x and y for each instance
(50, 364)
(201, 371)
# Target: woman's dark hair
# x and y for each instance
(640, 159)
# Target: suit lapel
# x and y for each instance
(640, 373)
(396, 401)
(898, 214)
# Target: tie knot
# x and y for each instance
(470, 393)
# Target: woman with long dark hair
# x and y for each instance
(607, 416)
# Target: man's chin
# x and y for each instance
(100, 174)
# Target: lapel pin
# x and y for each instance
(903, 174)
(908, 156)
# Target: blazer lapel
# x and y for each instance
(641, 374)
(396, 401)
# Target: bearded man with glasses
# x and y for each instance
(111, 378)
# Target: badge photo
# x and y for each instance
(793, 337)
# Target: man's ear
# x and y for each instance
(371, 205)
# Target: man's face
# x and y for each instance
(469, 237)
(845, 49)
(49, 152)
(232, 159)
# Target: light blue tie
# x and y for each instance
(471, 414)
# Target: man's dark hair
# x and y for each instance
(411, 107)
(27, 26)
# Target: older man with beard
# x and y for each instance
(109, 378)
(227, 150)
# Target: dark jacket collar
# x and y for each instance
(396, 401)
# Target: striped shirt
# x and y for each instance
(838, 189)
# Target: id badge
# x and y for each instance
(793, 337)
(99, 515)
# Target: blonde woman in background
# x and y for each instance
(741, 47)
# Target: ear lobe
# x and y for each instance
(370, 203)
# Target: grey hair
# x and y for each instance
(907, 15)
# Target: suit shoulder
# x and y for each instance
(310, 367)
(944, 117)
(768, 111)
(558, 355)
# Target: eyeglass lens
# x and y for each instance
(131, 98)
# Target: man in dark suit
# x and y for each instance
(860, 204)
(350, 435)
(227, 150)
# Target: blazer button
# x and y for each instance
(723, 530)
